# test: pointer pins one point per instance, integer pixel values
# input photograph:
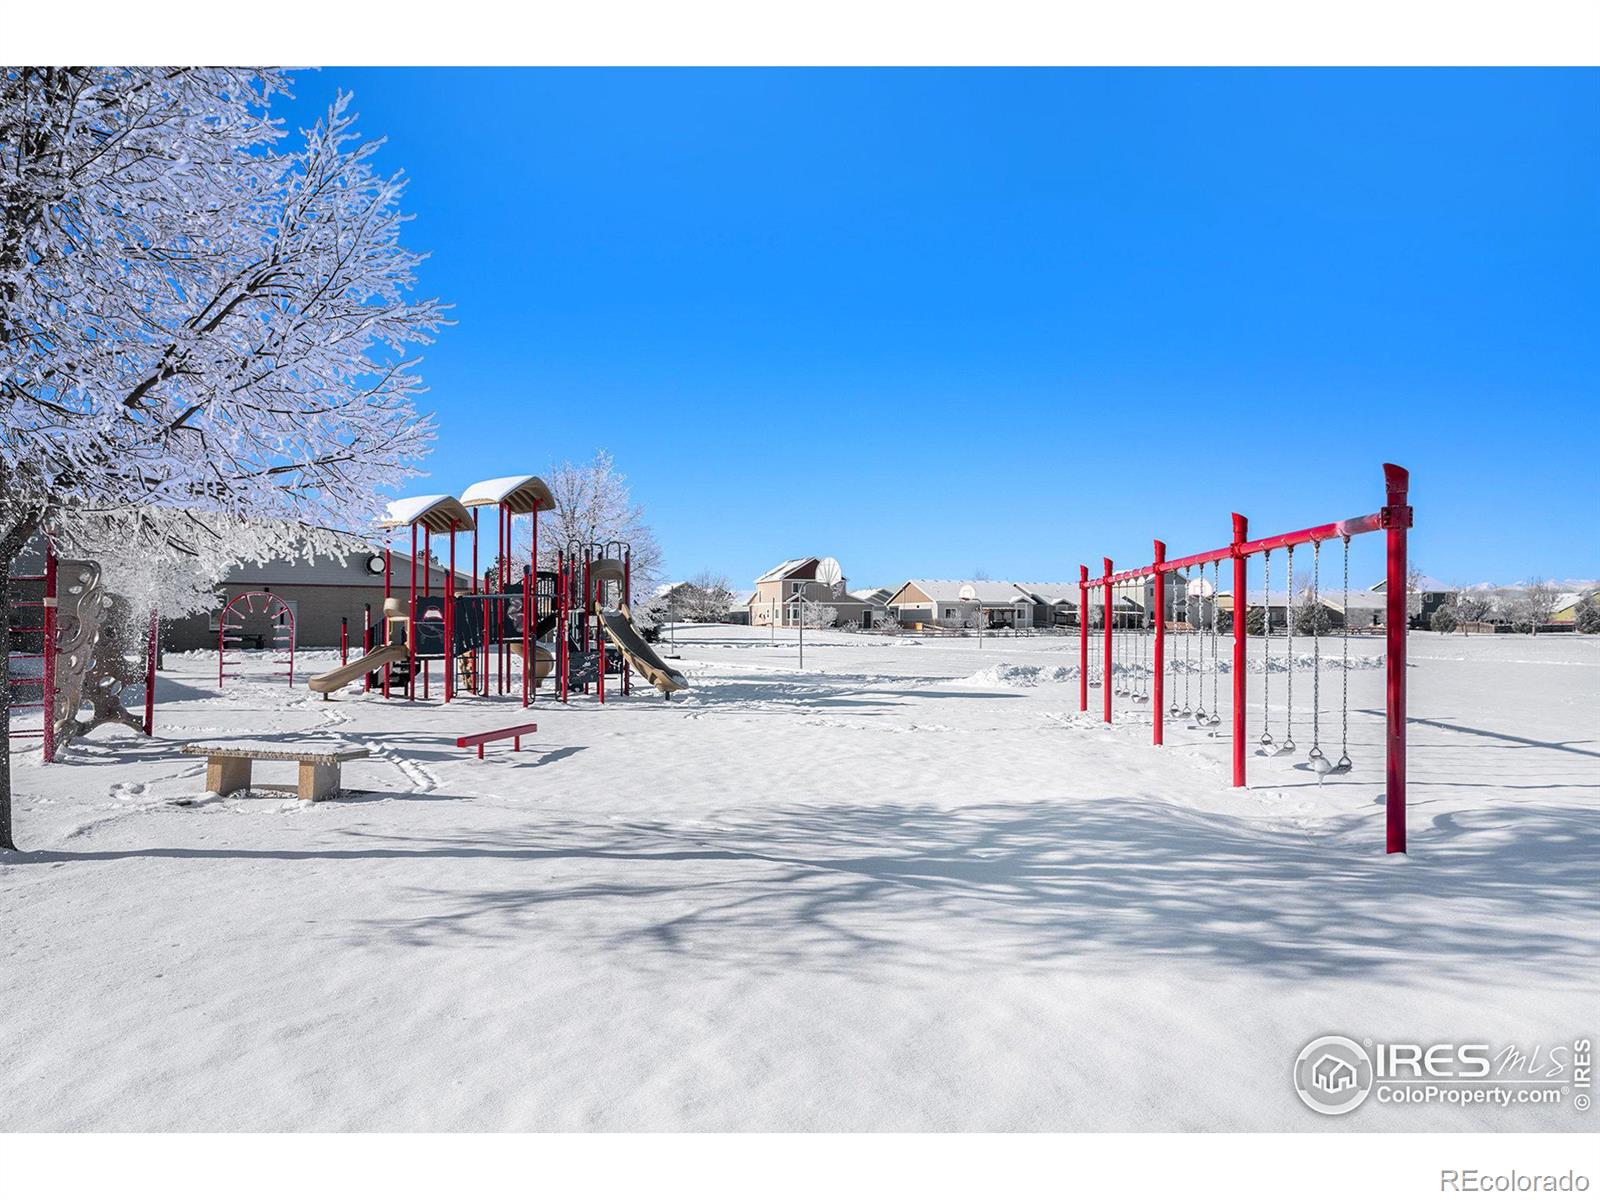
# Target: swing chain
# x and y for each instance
(1288, 612)
(1266, 651)
(1344, 763)
(1319, 761)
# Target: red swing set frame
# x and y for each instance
(1393, 520)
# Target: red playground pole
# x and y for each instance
(563, 653)
(1158, 693)
(411, 623)
(388, 572)
(427, 586)
(1105, 683)
(530, 597)
(1083, 638)
(344, 641)
(627, 603)
(450, 621)
(150, 650)
(1241, 612)
(529, 613)
(1396, 520)
(366, 641)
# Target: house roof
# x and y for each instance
(1052, 593)
(1334, 600)
(1425, 583)
(523, 493)
(871, 595)
(786, 568)
(984, 591)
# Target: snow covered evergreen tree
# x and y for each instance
(201, 324)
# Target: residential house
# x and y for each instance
(962, 603)
(787, 594)
(1431, 595)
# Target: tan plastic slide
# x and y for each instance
(543, 660)
(332, 681)
(641, 656)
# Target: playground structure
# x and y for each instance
(1138, 654)
(514, 628)
(82, 650)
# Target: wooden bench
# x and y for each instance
(228, 768)
(514, 732)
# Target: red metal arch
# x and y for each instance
(268, 605)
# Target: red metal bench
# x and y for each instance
(514, 732)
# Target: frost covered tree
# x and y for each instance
(706, 597)
(595, 504)
(1470, 605)
(1538, 604)
(203, 321)
(1587, 617)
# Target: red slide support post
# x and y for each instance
(388, 573)
(344, 641)
(450, 621)
(151, 648)
(1396, 520)
(1083, 638)
(530, 595)
(530, 614)
(411, 622)
(1158, 693)
(1241, 650)
(1105, 679)
(366, 643)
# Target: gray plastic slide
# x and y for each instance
(332, 681)
(641, 656)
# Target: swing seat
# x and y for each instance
(1321, 765)
(1288, 747)
(1344, 765)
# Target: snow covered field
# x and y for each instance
(908, 888)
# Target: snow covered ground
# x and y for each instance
(908, 888)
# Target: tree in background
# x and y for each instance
(1470, 606)
(1587, 617)
(1311, 615)
(706, 597)
(594, 504)
(1443, 620)
(1538, 604)
(201, 326)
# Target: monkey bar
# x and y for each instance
(1393, 520)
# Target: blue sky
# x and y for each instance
(933, 322)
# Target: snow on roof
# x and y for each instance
(524, 493)
(871, 595)
(786, 568)
(432, 512)
(1425, 583)
(1334, 600)
(985, 591)
(1052, 593)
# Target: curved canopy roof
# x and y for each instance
(435, 513)
(522, 493)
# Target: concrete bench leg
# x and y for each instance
(225, 776)
(318, 781)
